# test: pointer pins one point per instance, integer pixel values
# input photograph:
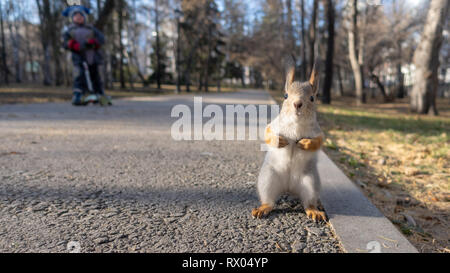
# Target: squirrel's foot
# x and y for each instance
(315, 214)
(310, 144)
(263, 210)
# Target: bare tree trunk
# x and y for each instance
(45, 16)
(4, 65)
(130, 77)
(158, 53)
(178, 55)
(200, 81)
(341, 87)
(56, 47)
(313, 33)
(218, 76)
(329, 10)
(13, 34)
(108, 70)
(46, 70)
(121, 48)
(400, 78)
(426, 60)
(189, 62)
(99, 8)
(304, 60)
(380, 85)
(106, 11)
(353, 54)
(208, 60)
(29, 52)
(289, 28)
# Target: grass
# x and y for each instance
(28, 93)
(401, 162)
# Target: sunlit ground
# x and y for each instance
(401, 161)
(23, 93)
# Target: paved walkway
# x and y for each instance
(113, 180)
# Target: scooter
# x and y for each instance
(92, 97)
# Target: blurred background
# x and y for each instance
(384, 90)
(366, 47)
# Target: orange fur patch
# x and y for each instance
(273, 140)
(310, 144)
(268, 135)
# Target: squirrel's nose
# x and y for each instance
(298, 104)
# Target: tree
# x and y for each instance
(104, 13)
(120, 12)
(426, 60)
(303, 42)
(159, 62)
(236, 46)
(267, 46)
(313, 34)
(354, 54)
(158, 68)
(379, 49)
(402, 23)
(202, 39)
(134, 28)
(45, 30)
(14, 10)
(329, 10)
(3, 53)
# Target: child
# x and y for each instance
(84, 41)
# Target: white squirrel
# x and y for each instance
(294, 138)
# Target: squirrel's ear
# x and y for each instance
(314, 79)
(290, 70)
(290, 77)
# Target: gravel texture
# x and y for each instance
(113, 180)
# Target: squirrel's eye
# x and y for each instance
(285, 95)
(312, 98)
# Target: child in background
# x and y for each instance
(84, 41)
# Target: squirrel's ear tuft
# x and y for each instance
(314, 79)
(290, 75)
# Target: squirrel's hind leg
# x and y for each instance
(269, 189)
(308, 190)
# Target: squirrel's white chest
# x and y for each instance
(290, 162)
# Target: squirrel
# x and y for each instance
(294, 139)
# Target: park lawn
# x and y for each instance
(401, 162)
(28, 93)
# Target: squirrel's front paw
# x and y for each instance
(310, 144)
(282, 142)
(263, 210)
(277, 141)
(274, 140)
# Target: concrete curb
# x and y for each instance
(358, 224)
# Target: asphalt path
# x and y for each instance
(113, 179)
